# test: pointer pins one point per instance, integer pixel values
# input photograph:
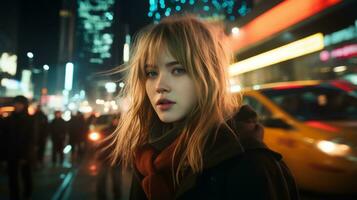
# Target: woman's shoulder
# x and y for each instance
(255, 160)
(242, 131)
(245, 123)
(254, 174)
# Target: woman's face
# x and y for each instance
(170, 89)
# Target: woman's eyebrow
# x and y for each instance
(172, 63)
(148, 66)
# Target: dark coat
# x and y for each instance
(19, 135)
(3, 142)
(242, 168)
(41, 126)
(58, 129)
(76, 129)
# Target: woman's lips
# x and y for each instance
(165, 106)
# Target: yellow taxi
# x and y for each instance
(313, 124)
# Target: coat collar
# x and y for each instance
(242, 132)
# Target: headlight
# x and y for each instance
(333, 148)
(94, 136)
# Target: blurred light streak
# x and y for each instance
(67, 149)
(280, 17)
(126, 52)
(292, 50)
(332, 148)
(339, 69)
(10, 83)
(236, 88)
(8, 63)
(69, 76)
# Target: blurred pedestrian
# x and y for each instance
(89, 122)
(41, 133)
(19, 130)
(185, 134)
(106, 170)
(3, 142)
(76, 130)
(58, 131)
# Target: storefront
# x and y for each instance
(323, 46)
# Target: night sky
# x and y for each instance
(35, 26)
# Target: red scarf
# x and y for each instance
(157, 171)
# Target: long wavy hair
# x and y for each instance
(191, 42)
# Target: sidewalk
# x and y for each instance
(47, 179)
(84, 182)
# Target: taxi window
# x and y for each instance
(315, 102)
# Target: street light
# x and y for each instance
(45, 72)
(121, 84)
(110, 87)
(46, 67)
(29, 54)
(44, 83)
(235, 31)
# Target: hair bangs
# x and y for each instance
(155, 43)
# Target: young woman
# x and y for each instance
(185, 134)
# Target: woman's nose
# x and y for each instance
(162, 84)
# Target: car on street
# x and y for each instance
(95, 133)
(313, 124)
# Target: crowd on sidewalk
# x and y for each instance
(23, 143)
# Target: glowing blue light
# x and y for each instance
(152, 8)
(152, 2)
(67, 149)
(228, 9)
(109, 15)
(216, 5)
(157, 16)
(168, 12)
(243, 10)
(162, 4)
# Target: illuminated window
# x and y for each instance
(226, 9)
(95, 19)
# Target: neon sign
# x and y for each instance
(8, 63)
(342, 35)
(343, 52)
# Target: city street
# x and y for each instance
(69, 181)
(79, 182)
(48, 179)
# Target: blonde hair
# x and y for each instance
(192, 44)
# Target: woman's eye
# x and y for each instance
(151, 74)
(179, 71)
